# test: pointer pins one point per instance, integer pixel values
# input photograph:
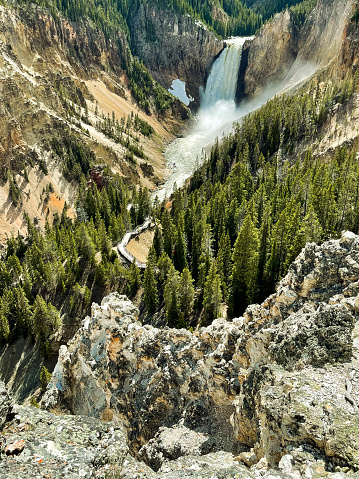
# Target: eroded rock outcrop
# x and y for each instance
(148, 377)
(303, 378)
(277, 387)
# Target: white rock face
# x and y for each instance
(281, 381)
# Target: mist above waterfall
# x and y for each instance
(218, 105)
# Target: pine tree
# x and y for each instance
(212, 296)
(150, 288)
(158, 241)
(86, 246)
(165, 267)
(282, 238)
(244, 271)
(23, 311)
(224, 262)
(167, 231)
(264, 249)
(179, 256)
(134, 276)
(310, 231)
(113, 229)
(26, 282)
(46, 320)
(171, 293)
(186, 295)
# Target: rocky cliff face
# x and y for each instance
(283, 55)
(174, 47)
(277, 387)
(148, 377)
(270, 54)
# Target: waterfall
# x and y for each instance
(215, 117)
(222, 80)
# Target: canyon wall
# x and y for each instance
(49, 66)
(174, 47)
(282, 55)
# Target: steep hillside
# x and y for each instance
(286, 52)
(57, 75)
(174, 47)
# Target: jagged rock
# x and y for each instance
(286, 376)
(16, 448)
(171, 443)
(133, 469)
(307, 338)
(299, 409)
(61, 446)
(148, 377)
(6, 405)
(221, 465)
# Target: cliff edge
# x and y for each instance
(275, 388)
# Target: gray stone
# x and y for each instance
(171, 443)
(6, 405)
(283, 380)
(61, 446)
(314, 339)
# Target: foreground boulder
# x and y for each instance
(275, 390)
(145, 377)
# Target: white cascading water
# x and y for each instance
(222, 81)
(218, 109)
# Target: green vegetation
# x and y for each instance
(143, 88)
(49, 279)
(355, 17)
(125, 133)
(301, 11)
(224, 17)
(14, 190)
(33, 402)
(267, 8)
(248, 211)
(45, 378)
(76, 156)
